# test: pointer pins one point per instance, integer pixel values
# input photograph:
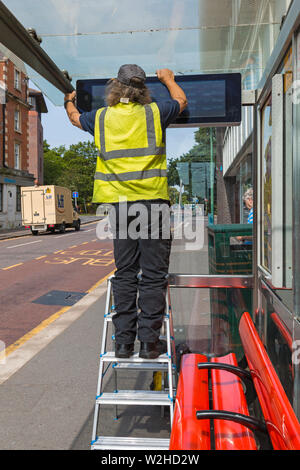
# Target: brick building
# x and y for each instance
(36, 160)
(20, 129)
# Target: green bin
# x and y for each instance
(229, 255)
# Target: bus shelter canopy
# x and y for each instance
(92, 39)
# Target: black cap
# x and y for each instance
(129, 71)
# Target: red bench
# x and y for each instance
(281, 421)
(192, 404)
(228, 395)
(192, 395)
(233, 427)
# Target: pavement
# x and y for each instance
(22, 232)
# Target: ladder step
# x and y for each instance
(143, 366)
(130, 443)
(109, 356)
(108, 316)
(135, 397)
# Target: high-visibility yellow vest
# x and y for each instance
(132, 160)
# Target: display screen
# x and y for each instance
(212, 99)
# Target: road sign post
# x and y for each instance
(75, 196)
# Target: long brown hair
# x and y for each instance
(138, 93)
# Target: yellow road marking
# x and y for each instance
(74, 246)
(100, 282)
(41, 257)
(84, 243)
(13, 266)
(33, 332)
(84, 260)
(55, 252)
(44, 323)
(91, 223)
(15, 238)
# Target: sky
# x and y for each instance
(59, 131)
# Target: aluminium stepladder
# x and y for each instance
(164, 363)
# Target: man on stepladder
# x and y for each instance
(132, 168)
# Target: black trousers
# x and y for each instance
(142, 262)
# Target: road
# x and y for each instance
(43, 274)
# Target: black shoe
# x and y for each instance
(124, 350)
(153, 350)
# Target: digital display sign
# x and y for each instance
(213, 100)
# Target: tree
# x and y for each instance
(174, 196)
(202, 136)
(53, 164)
(72, 168)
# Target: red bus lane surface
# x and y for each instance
(76, 269)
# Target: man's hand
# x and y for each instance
(165, 76)
(72, 111)
(70, 96)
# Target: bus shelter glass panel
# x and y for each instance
(277, 180)
(278, 328)
(191, 178)
(92, 39)
(281, 337)
(207, 320)
(203, 242)
(202, 245)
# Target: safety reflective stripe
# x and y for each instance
(130, 175)
(152, 149)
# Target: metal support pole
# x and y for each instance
(296, 221)
(212, 173)
(180, 194)
(255, 166)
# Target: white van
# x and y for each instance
(48, 208)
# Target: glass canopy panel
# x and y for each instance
(92, 39)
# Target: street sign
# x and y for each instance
(75, 194)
